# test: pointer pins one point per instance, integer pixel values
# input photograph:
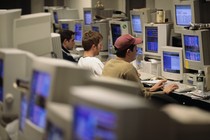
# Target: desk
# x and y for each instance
(185, 99)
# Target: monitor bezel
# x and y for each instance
(92, 11)
(163, 38)
(124, 27)
(194, 4)
(171, 75)
(79, 43)
(197, 65)
(59, 115)
(102, 101)
(136, 13)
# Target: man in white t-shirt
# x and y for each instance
(92, 44)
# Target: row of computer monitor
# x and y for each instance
(194, 42)
(29, 32)
(193, 55)
(49, 82)
(64, 102)
(75, 105)
(185, 12)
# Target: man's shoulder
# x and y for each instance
(92, 59)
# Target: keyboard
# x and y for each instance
(182, 87)
(146, 76)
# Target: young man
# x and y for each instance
(67, 41)
(120, 67)
(92, 44)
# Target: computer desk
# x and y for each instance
(186, 99)
(189, 100)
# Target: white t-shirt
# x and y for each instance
(93, 64)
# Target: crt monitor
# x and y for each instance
(195, 45)
(190, 11)
(6, 27)
(118, 28)
(66, 24)
(32, 33)
(54, 14)
(11, 70)
(116, 84)
(102, 113)
(23, 113)
(155, 36)
(87, 17)
(49, 83)
(59, 119)
(88, 14)
(40, 89)
(56, 42)
(78, 29)
(172, 63)
(136, 23)
(75, 25)
(103, 28)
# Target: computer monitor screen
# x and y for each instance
(23, 111)
(55, 15)
(183, 15)
(78, 32)
(40, 88)
(116, 32)
(171, 62)
(95, 28)
(101, 115)
(136, 24)
(65, 26)
(87, 17)
(196, 48)
(1, 79)
(192, 49)
(54, 132)
(151, 39)
(101, 124)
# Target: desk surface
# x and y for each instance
(187, 99)
(196, 96)
(191, 100)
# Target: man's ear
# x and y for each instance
(128, 51)
(93, 46)
(65, 40)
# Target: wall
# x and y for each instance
(37, 6)
(79, 4)
(159, 4)
(150, 4)
(163, 4)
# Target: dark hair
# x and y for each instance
(122, 53)
(90, 38)
(66, 34)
